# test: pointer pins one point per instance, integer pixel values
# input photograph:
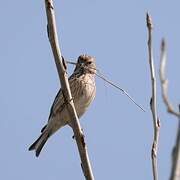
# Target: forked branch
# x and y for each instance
(175, 170)
(164, 81)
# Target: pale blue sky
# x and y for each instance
(118, 134)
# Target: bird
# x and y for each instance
(83, 90)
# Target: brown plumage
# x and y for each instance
(83, 89)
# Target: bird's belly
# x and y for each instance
(83, 102)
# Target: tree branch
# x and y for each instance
(53, 38)
(153, 101)
(164, 81)
(175, 171)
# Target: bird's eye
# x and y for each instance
(90, 62)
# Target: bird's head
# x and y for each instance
(86, 64)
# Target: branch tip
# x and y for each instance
(149, 21)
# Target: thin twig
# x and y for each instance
(153, 101)
(164, 81)
(100, 75)
(53, 38)
(122, 90)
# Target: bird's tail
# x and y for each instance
(39, 143)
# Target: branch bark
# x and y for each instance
(153, 101)
(175, 170)
(53, 38)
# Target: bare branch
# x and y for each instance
(164, 81)
(175, 171)
(153, 101)
(53, 38)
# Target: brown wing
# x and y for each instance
(59, 103)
